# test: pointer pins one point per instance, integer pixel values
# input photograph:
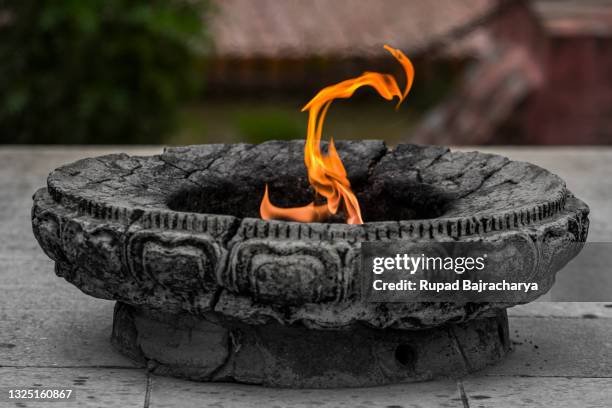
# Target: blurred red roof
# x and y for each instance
(571, 17)
(298, 29)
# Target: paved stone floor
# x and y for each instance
(52, 334)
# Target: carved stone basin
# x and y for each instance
(208, 291)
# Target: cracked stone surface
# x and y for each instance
(176, 240)
(400, 184)
(118, 226)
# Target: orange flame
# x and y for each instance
(326, 173)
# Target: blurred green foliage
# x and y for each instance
(254, 120)
(259, 126)
(97, 71)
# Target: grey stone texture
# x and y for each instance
(212, 348)
(92, 387)
(177, 232)
(178, 235)
(67, 331)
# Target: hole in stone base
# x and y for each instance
(405, 356)
(501, 332)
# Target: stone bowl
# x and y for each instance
(206, 290)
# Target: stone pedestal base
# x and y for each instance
(216, 349)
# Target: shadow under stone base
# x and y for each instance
(215, 348)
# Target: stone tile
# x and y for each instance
(510, 392)
(93, 387)
(37, 269)
(17, 236)
(563, 309)
(42, 159)
(45, 321)
(558, 347)
(587, 277)
(23, 170)
(166, 392)
(74, 336)
(55, 295)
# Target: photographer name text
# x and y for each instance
(434, 265)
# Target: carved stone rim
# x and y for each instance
(452, 227)
(161, 217)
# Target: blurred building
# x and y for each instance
(573, 103)
(296, 46)
(544, 78)
(531, 72)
